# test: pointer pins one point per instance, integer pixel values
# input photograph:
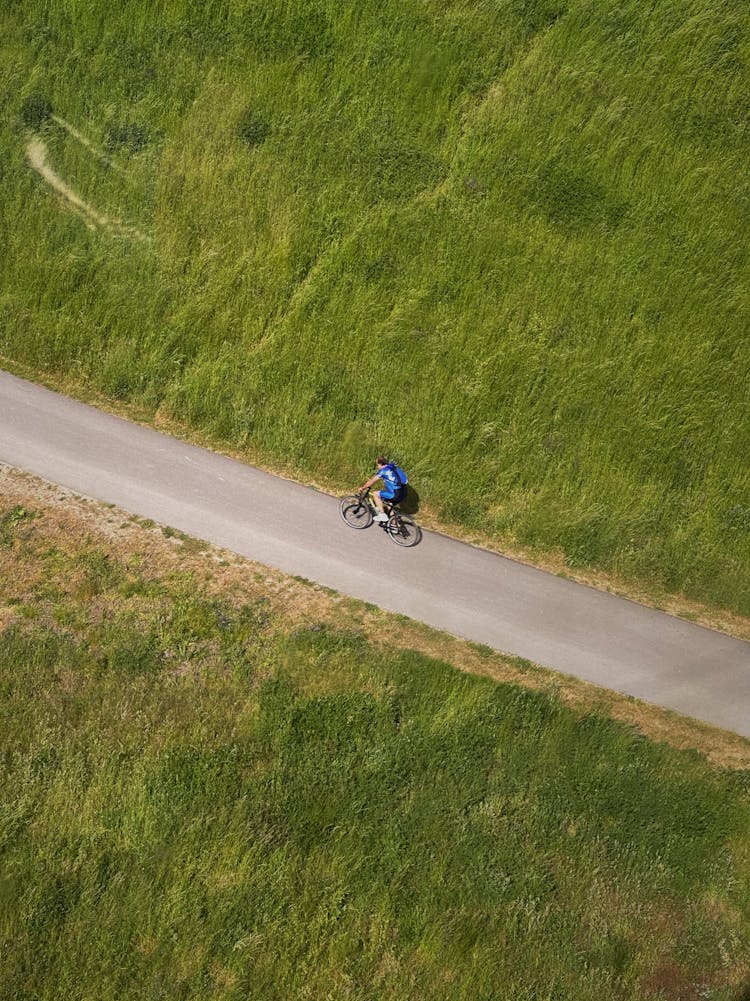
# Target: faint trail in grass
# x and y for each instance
(36, 155)
(91, 147)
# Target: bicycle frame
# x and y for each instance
(388, 509)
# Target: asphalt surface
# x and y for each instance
(464, 590)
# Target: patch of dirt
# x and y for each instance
(69, 518)
(671, 984)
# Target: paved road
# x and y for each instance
(464, 590)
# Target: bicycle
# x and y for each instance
(358, 511)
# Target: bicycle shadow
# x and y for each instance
(410, 503)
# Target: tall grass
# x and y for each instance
(197, 803)
(504, 241)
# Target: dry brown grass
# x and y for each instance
(69, 523)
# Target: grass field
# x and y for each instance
(504, 241)
(201, 799)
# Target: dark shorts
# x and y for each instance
(395, 498)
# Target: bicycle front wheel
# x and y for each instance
(355, 512)
(403, 530)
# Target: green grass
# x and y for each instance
(197, 802)
(504, 241)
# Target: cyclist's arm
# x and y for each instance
(366, 486)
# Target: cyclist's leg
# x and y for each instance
(379, 501)
(396, 498)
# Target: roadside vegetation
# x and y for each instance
(504, 241)
(209, 790)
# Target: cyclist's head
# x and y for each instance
(381, 461)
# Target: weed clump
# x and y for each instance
(126, 136)
(10, 521)
(573, 199)
(35, 110)
(253, 129)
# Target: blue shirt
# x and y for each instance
(390, 477)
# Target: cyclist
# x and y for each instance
(395, 480)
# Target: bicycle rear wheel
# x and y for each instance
(403, 530)
(355, 512)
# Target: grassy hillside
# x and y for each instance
(200, 799)
(505, 241)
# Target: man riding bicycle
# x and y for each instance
(395, 480)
